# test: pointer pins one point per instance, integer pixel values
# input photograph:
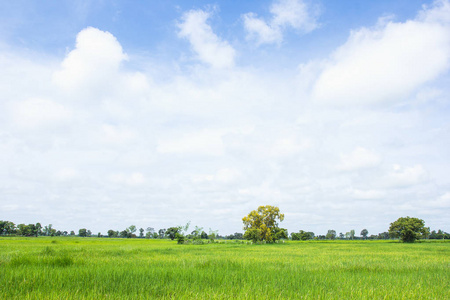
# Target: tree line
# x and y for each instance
(260, 225)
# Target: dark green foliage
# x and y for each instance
(407, 229)
(82, 232)
(253, 234)
(172, 232)
(302, 236)
(331, 234)
(364, 233)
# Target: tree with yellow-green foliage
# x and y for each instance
(262, 225)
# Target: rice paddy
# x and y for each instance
(102, 268)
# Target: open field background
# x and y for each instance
(102, 268)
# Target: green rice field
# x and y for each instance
(102, 268)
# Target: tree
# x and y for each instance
(141, 232)
(261, 224)
(82, 232)
(407, 229)
(331, 234)
(302, 235)
(172, 232)
(352, 234)
(38, 228)
(214, 233)
(111, 233)
(162, 233)
(130, 231)
(364, 233)
(253, 234)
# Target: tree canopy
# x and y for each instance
(408, 229)
(262, 225)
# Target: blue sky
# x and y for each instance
(163, 112)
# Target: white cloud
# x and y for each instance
(442, 202)
(207, 45)
(367, 194)
(133, 179)
(170, 144)
(95, 60)
(261, 31)
(388, 62)
(36, 112)
(117, 135)
(285, 14)
(66, 174)
(222, 176)
(405, 176)
(206, 142)
(360, 158)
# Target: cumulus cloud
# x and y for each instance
(387, 62)
(209, 48)
(96, 58)
(201, 140)
(360, 158)
(294, 14)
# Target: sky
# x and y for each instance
(156, 113)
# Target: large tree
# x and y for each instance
(407, 229)
(364, 233)
(171, 232)
(262, 225)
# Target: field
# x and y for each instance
(102, 268)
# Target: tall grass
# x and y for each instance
(92, 268)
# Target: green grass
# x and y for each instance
(93, 268)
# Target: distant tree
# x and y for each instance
(341, 236)
(214, 233)
(111, 233)
(123, 234)
(263, 219)
(331, 234)
(407, 229)
(383, 236)
(162, 233)
(352, 234)
(130, 231)
(48, 230)
(302, 236)
(141, 232)
(99, 234)
(197, 232)
(180, 238)
(82, 232)
(425, 233)
(253, 234)
(364, 233)
(204, 235)
(172, 231)
(72, 232)
(88, 233)
(439, 235)
(155, 235)
(38, 228)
